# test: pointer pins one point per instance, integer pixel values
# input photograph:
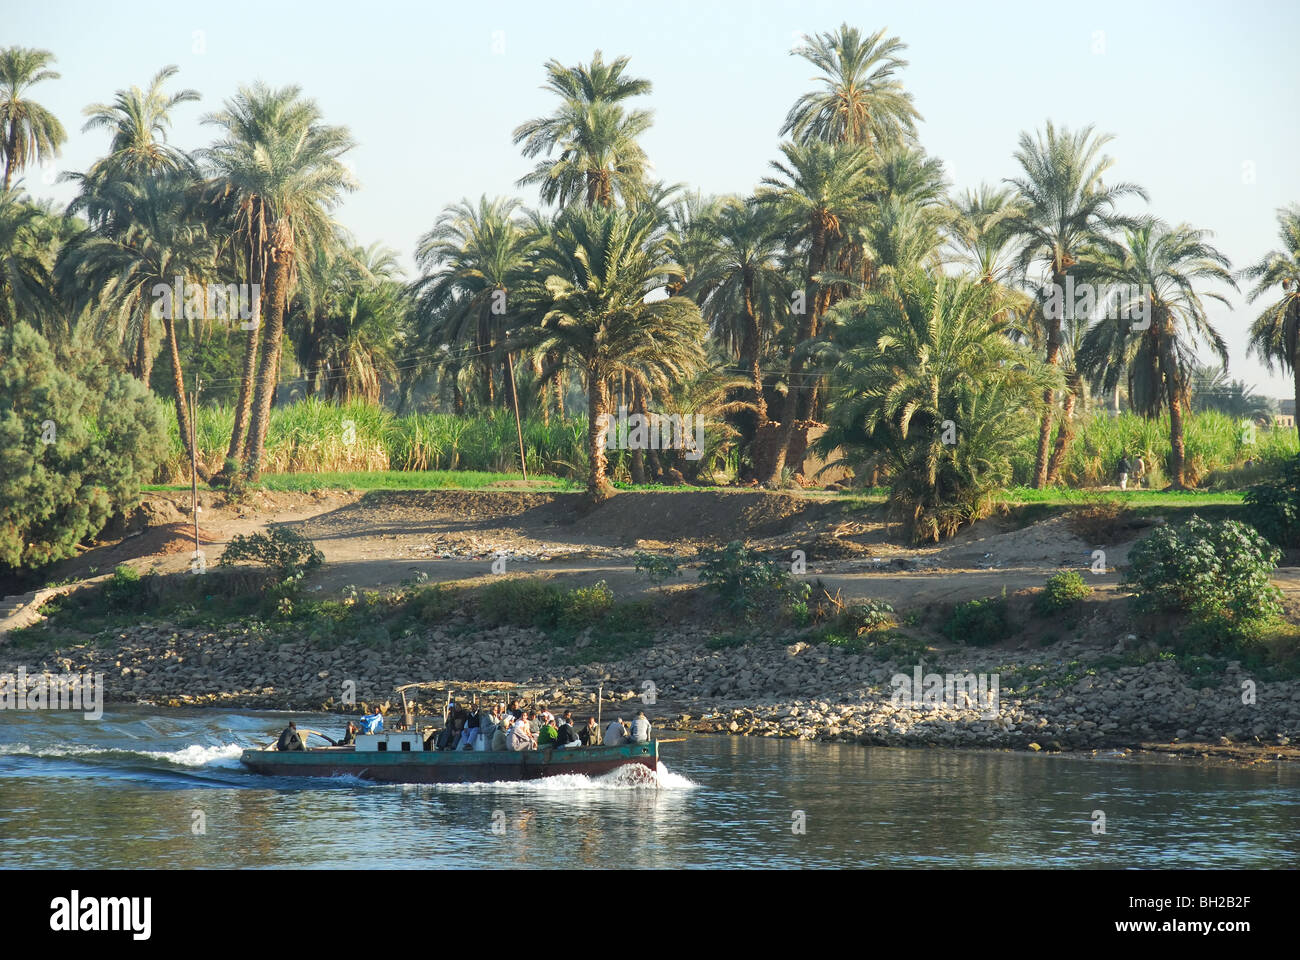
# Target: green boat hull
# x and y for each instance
(450, 766)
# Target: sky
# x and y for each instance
(1201, 98)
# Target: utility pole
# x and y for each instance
(519, 430)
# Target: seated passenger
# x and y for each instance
(640, 728)
(349, 735)
(590, 734)
(521, 737)
(487, 729)
(547, 735)
(615, 733)
(289, 739)
(566, 736)
(372, 722)
(500, 739)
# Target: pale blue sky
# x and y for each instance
(1201, 97)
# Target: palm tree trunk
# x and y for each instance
(749, 353)
(599, 488)
(182, 409)
(243, 402)
(1066, 434)
(1295, 377)
(11, 148)
(1177, 453)
(273, 340)
(1049, 395)
(143, 353)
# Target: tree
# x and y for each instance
(861, 103)
(599, 156)
(31, 133)
(279, 164)
(927, 384)
(128, 275)
(1155, 271)
(138, 121)
(602, 307)
(742, 285)
(1065, 207)
(26, 261)
(820, 193)
(77, 439)
(1275, 334)
(473, 263)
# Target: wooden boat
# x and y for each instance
(406, 754)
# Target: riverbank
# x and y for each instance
(1068, 696)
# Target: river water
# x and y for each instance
(143, 789)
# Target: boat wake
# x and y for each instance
(224, 755)
(630, 777)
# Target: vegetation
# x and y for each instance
(1062, 591)
(978, 623)
(1273, 507)
(289, 556)
(745, 580)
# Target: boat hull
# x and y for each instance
(448, 766)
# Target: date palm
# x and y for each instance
(743, 287)
(31, 133)
(821, 194)
(473, 262)
(138, 121)
(861, 102)
(598, 155)
(1066, 207)
(602, 308)
(1156, 268)
(26, 262)
(1275, 334)
(279, 166)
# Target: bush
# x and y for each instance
(1214, 571)
(656, 568)
(77, 438)
(127, 592)
(521, 602)
(586, 606)
(743, 578)
(289, 555)
(434, 604)
(978, 623)
(1273, 507)
(1062, 591)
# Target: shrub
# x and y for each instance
(586, 606)
(77, 439)
(1214, 571)
(1273, 507)
(656, 568)
(978, 623)
(522, 602)
(1062, 591)
(434, 604)
(290, 556)
(744, 579)
(127, 592)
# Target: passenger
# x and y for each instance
(487, 730)
(349, 735)
(565, 735)
(590, 734)
(521, 735)
(470, 732)
(640, 728)
(372, 722)
(547, 734)
(500, 738)
(289, 739)
(534, 723)
(615, 733)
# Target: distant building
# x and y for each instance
(1285, 416)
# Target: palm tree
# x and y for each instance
(31, 133)
(928, 384)
(603, 307)
(1156, 268)
(1275, 334)
(862, 103)
(742, 286)
(279, 165)
(131, 273)
(821, 194)
(26, 262)
(980, 234)
(138, 121)
(597, 141)
(1066, 207)
(1212, 389)
(473, 262)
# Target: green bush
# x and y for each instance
(744, 579)
(1062, 591)
(77, 439)
(656, 568)
(521, 602)
(1213, 571)
(1273, 507)
(978, 623)
(289, 556)
(586, 606)
(434, 604)
(127, 592)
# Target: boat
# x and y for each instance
(406, 754)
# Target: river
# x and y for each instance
(140, 788)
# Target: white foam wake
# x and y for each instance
(630, 777)
(194, 755)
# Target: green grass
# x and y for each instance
(1065, 497)
(397, 480)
